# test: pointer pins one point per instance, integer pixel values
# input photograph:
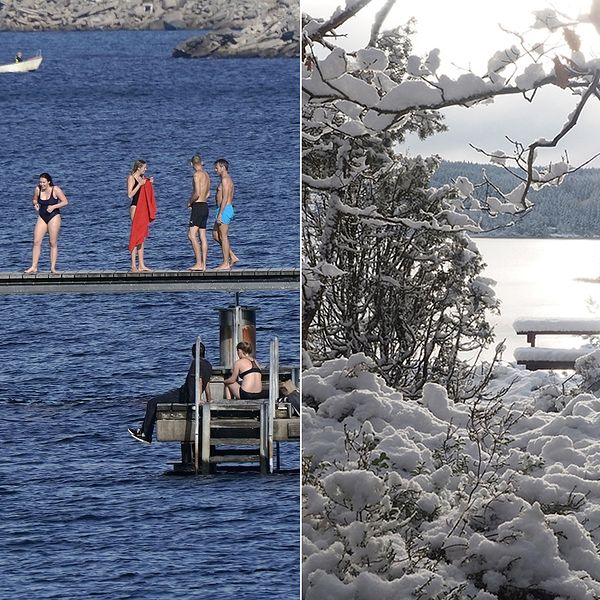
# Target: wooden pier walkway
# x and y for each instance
(112, 282)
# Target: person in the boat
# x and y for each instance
(135, 181)
(245, 382)
(224, 200)
(186, 394)
(47, 200)
(19, 57)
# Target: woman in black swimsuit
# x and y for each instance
(245, 382)
(135, 181)
(48, 199)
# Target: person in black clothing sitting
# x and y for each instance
(19, 57)
(185, 395)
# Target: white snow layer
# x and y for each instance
(550, 354)
(420, 499)
(532, 75)
(371, 58)
(557, 325)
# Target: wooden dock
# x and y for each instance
(113, 282)
(230, 431)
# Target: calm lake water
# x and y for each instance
(539, 278)
(87, 511)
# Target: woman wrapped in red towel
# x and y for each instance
(142, 212)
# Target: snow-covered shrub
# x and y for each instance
(588, 367)
(409, 294)
(389, 269)
(487, 499)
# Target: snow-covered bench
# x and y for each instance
(535, 358)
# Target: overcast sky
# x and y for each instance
(468, 32)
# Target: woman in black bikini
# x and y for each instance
(135, 181)
(48, 199)
(245, 382)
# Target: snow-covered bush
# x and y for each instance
(408, 293)
(388, 268)
(486, 500)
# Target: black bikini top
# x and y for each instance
(253, 369)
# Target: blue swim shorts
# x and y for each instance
(226, 215)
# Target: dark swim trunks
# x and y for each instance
(44, 213)
(199, 215)
(244, 395)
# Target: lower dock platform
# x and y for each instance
(230, 432)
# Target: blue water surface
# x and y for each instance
(85, 510)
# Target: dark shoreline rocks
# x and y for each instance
(266, 37)
(263, 28)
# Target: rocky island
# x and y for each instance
(245, 28)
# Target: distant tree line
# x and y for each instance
(568, 210)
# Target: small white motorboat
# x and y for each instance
(28, 64)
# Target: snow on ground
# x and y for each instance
(491, 498)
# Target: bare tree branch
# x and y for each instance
(573, 118)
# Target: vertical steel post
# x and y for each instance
(264, 432)
(237, 327)
(206, 438)
(197, 399)
(273, 393)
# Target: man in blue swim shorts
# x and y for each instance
(225, 214)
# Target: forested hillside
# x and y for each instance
(569, 210)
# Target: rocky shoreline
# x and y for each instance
(264, 28)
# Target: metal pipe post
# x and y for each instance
(237, 327)
(197, 399)
(273, 392)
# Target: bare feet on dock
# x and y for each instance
(223, 267)
(233, 260)
(145, 269)
(30, 270)
(54, 272)
(197, 268)
(133, 270)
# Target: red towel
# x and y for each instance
(145, 213)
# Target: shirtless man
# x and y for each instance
(224, 199)
(199, 205)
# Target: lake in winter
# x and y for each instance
(539, 278)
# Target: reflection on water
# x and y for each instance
(539, 278)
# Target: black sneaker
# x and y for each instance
(138, 434)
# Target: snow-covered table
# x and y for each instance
(535, 358)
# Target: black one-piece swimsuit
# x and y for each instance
(44, 213)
